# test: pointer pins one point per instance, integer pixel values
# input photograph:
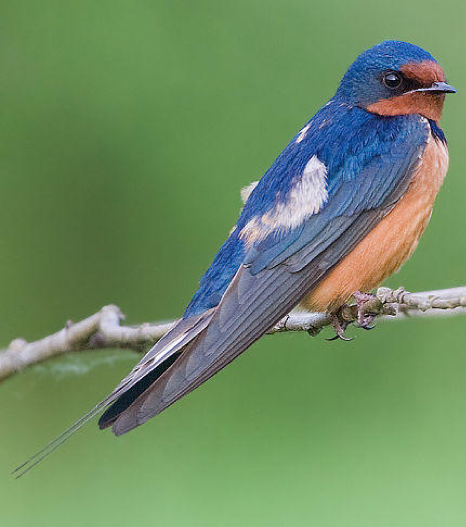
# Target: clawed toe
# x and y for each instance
(368, 307)
(340, 336)
(365, 321)
(367, 328)
(364, 303)
(339, 325)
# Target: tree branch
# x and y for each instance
(104, 329)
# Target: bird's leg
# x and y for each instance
(365, 304)
(339, 325)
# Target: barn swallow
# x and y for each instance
(339, 210)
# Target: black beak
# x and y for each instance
(439, 87)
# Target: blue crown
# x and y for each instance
(358, 81)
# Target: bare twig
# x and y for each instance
(104, 329)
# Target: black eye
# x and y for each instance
(392, 80)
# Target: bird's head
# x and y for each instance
(396, 78)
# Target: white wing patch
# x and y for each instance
(312, 189)
(302, 133)
(306, 198)
(246, 191)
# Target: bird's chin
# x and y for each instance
(428, 104)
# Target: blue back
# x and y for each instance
(368, 158)
(365, 155)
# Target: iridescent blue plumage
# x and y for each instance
(348, 140)
(216, 279)
(335, 186)
(340, 209)
(357, 86)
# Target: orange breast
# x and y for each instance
(391, 242)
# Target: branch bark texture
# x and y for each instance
(104, 329)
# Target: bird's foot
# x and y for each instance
(366, 304)
(339, 325)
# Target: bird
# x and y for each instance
(339, 210)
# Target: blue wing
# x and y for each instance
(253, 283)
(368, 159)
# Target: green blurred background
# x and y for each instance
(127, 130)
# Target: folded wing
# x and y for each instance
(281, 268)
